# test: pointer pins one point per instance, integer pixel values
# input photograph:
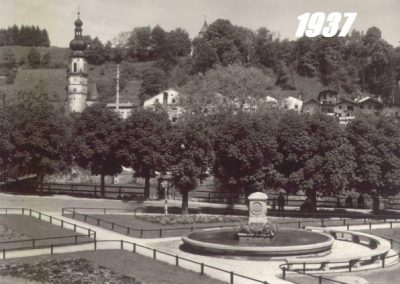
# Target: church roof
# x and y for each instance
(204, 28)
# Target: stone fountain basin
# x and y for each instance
(287, 242)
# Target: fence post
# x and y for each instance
(4, 253)
(299, 225)
(370, 225)
(98, 222)
(304, 267)
(383, 262)
(127, 230)
(202, 268)
(141, 233)
(232, 275)
(344, 222)
(122, 244)
(33, 243)
(176, 260)
(160, 233)
(134, 247)
(76, 239)
(119, 192)
(348, 227)
(319, 279)
(322, 222)
(30, 212)
(62, 223)
(391, 224)
(95, 243)
(95, 191)
(51, 220)
(154, 253)
(74, 227)
(40, 216)
(51, 249)
(284, 273)
(85, 218)
(23, 211)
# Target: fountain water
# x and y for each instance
(259, 237)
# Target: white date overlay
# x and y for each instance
(315, 24)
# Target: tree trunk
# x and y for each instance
(185, 202)
(313, 200)
(102, 187)
(41, 180)
(147, 186)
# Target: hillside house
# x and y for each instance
(169, 101)
(292, 103)
(311, 106)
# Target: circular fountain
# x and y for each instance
(259, 237)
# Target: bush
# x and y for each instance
(188, 219)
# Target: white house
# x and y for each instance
(292, 103)
(169, 100)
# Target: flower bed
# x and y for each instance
(266, 230)
(189, 219)
(56, 271)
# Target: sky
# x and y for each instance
(106, 18)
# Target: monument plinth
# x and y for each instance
(258, 208)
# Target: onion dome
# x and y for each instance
(78, 23)
(78, 43)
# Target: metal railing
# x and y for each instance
(86, 235)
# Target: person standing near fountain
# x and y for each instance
(281, 203)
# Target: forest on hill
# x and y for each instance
(362, 63)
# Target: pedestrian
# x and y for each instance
(360, 201)
(349, 202)
(281, 203)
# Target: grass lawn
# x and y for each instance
(133, 266)
(19, 228)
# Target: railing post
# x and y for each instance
(322, 222)
(391, 224)
(134, 247)
(370, 225)
(51, 249)
(95, 191)
(232, 275)
(141, 233)
(23, 211)
(4, 253)
(319, 279)
(62, 223)
(127, 230)
(40, 216)
(202, 268)
(383, 262)
(74, 227)
(304, 267)
(98, 222)
(160, 233)
(154, 253)
(33, 243)
(284, 273)
(95, 243)
(119, 192)
(30, 212)
(176, 260)
(122, 244)
(76, 239)
(299, 225)
(348, 227)
(51, 220)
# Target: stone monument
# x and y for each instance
(258, 208)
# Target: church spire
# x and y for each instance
(204, 27)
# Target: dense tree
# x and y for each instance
(179, 42)
(140, 43)
(24, 36)
(96, 53)
(235, 87)
(46, 59)
(154, 81)
(145, 143)
(245, 151)
(7, 59)
(37, 138)
(316, 156)
(190, 149)
(96, 142)
(33, 57)
(204, 56)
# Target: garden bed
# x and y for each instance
(108, 266)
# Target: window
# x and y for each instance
(350, 108)
(75, 67)
(361, 107)
(173, 101)
(296, 106)
(340, 107)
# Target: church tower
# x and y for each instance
(77, 74)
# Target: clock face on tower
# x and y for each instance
(256, 208)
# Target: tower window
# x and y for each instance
(75, 67)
